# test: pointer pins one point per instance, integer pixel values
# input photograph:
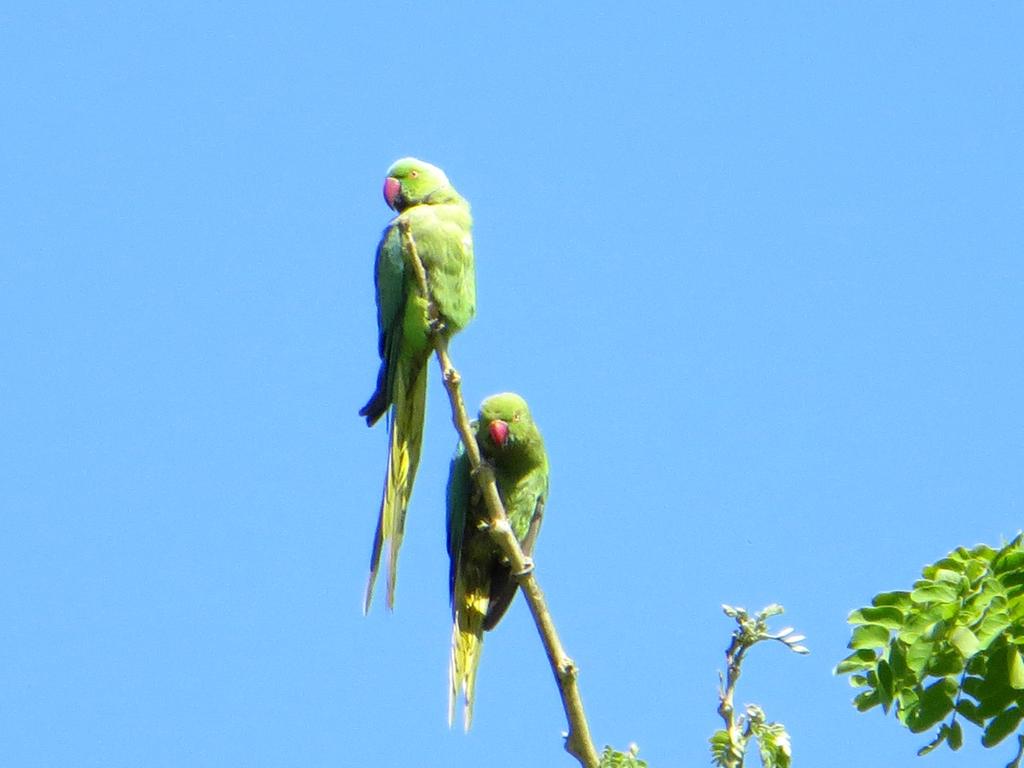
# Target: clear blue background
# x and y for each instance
(759, 270)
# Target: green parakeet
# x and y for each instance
(439, 222)
(481, 584)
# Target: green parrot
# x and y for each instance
(439, 222)
(480, 582)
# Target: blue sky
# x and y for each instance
(759, 270)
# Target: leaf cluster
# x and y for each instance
(949, 650)
(610, 758)
(772, 742)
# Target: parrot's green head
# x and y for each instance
(414, 182)
(506, 432)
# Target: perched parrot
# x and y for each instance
(480, 581)
(439, 222)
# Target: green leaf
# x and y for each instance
(896, 599)
(935, 703)
(908, 698)
(1016, 611)
(918, 655)
(990, 587)
(956, 736)
(866, 700)
(969, 710)
(976, 569)
(869, 636)
(954, 562)
(949, 575)
(985, 552)
(946, 662)
(997, 697)
(978, 665)
(1008, 562)
(898, 660)
(934, 592)
(884, 672)
(975, 686)
(887, 616)
(965, 641)
(996, 621)
(1002, 726)
(992, 689)
(940, 737)
(919, 623)
(722, 752)
(773, 745)
(1016, 668)
(857, 661)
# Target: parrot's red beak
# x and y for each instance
(391, 190)
(499, 432)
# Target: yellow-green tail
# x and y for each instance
(471, 600)
(404, 441)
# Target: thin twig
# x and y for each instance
(733, 663)
(578, 742)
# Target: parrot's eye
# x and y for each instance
(516, 416)
(414, 174)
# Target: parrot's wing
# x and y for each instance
(531, 535)
(503, 583)
(537, 482)
(460, 489)
(445, 246)
(389, 279)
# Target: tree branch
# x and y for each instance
(578, 742)
(729, 746)
(734, 661)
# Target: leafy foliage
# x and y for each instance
(729, 745)
(723, 752)
(772, 742)
(612, 759)
(949, 650)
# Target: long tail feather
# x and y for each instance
(404, 442)
(378, 543)
(467, 642)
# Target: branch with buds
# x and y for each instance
(729, 745)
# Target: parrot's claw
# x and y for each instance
(437, 326)
(483, 525)
(527, 568)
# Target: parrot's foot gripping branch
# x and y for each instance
(437, 326)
